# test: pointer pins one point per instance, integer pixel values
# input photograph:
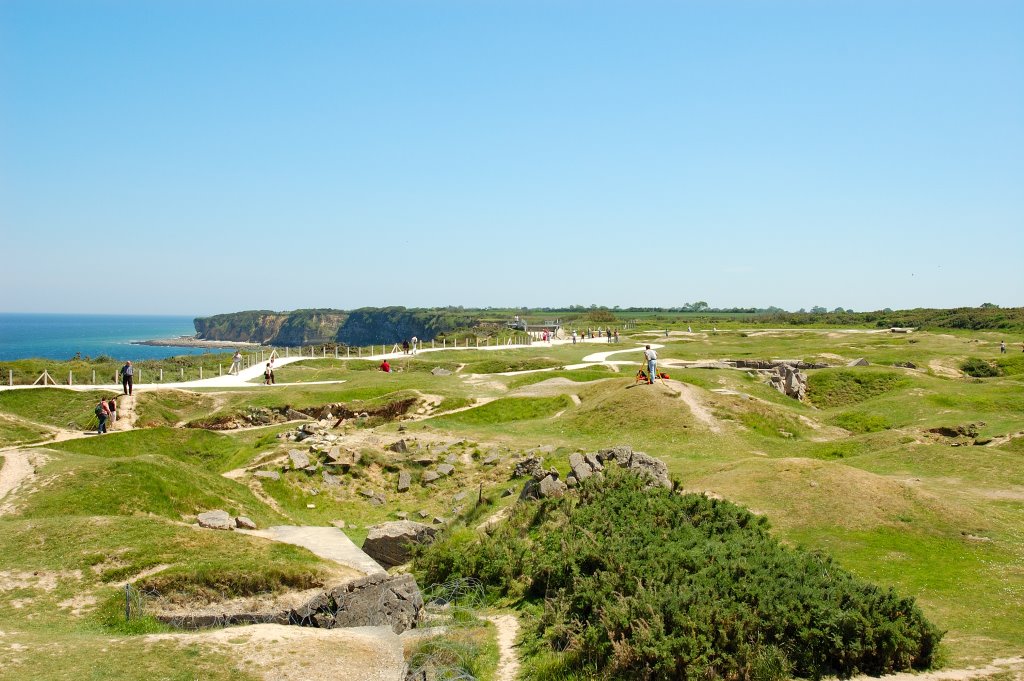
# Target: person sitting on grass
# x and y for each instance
(385, 367)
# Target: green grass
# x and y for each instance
(212, 451)
(506, 410)
(53, 406)
(578, 375)
(840, 387)
(80, 485)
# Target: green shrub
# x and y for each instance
(647, 584)
(979, 368)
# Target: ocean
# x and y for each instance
(61, 336)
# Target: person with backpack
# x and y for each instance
(101, 412)
(127, 380)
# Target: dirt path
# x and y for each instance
(287, 653)
(17, 468)
(688, 394)
(126, 415)
(508, 660)
(1011, 666)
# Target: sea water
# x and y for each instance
(62, 336)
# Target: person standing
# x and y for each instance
(1002, 347)
(236, 363)
(127, 377)
(268, 374)
(616, 335)
(652, 364)
(102, 412)
(112, 408)
(414, 343)
(405, 347)
(574, 336)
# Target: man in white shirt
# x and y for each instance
(652, 364)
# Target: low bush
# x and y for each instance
(979, 368)
(647, 584)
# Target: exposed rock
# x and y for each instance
(391, 543)
(294, 415)
(459, 497)
(404, 480)
(438, 520)
(299, 459)
(531, 466)
(216, 520)
(267, 475)
(446, 469)
(491, 460)
(789, 381)
(368, 493)
(378, 600)
(438, 371)
(551, 487)
(905, 365)
(859, 362)
(594, 463)
(581, 470)
(245, 523)
(331, 480)
(399, 447)
(429, 476)
(451, 458)
(423, 514)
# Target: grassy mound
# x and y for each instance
(77, 485)
(829, 388)
(979, 368)
(54, 406)
(647, 584)
(212, 451)
(506, 410)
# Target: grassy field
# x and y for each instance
(907, 471)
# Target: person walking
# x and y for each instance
(268, 375)
(112, 408)
(1002, 347)
(652, 364)
(574, 336)
(102, 412)
(405, 347)
(415, 342)
(127, 377)
(236, 363)
(616, 335)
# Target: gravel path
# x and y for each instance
(508, 660)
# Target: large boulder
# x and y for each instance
(298, 458)
(391, 543)
(378, 600)
(404, 480)
(531, 466)
(216, 520)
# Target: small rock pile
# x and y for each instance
(545, 484)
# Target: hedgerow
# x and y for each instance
(648, 584)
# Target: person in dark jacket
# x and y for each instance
(127, 377)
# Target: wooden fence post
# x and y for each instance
(71, 378)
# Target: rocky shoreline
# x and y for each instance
(193, 342)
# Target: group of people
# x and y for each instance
(409, 346)
(611, 334)
(106, 411)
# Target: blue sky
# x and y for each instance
(201, 157)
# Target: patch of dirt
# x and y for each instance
(689, 395)
(175, 606)
(552, 386)
(40, 579)
(19, 467)
(940, 369)
(78, 605)
(269, 651)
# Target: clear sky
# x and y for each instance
(196, 157)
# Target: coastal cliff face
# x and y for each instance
(310, 327)
(395, 324)
(301, 327)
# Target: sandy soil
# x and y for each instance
(287, 653)
(19, 467)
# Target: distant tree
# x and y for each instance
(700, 306)
(802, 311)
(818, 309)
(989, 305)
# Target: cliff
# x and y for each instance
(301, 327)
(309, 327)
(395, 324)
